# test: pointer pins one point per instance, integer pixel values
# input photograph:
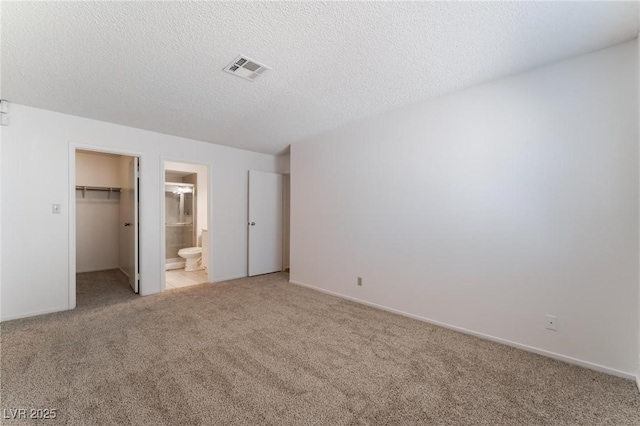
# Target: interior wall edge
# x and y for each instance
(638, 99)
(1, 280)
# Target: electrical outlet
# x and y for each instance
(360, 281)
(552, 322)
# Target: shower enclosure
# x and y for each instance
(179, 221)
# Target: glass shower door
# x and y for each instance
(179, 224)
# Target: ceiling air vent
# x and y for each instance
(246, 68)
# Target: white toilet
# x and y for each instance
(192, 256)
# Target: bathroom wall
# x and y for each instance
(172, 177)
(97, 212)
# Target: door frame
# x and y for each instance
(286, 225)
(163, 236)
(73, 147)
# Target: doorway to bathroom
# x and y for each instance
(186, 218)
(106, 238)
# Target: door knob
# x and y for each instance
(252, 224)
(127, 224)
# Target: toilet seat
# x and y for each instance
(190, 250)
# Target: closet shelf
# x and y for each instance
(84, 189)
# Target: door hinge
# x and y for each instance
(137, 277)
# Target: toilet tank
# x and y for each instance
(205, 249)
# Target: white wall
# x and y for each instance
(487, 209)
(35, 174)
(97, 212)
(1, 155)
(1, 131)
(638, 367)
(1, 127)
(286, 220)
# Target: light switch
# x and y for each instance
(55, 208)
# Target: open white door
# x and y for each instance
(265, 223)
(129, 205)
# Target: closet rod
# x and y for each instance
(84, 189)
(98, 188)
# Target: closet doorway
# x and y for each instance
(106, 227)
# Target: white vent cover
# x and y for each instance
(246, 68)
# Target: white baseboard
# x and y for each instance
(236, 277)
(638, 379)
(122, 270)
(35, 313)
(82, 271)
(559, 357)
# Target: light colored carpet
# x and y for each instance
(262, 351)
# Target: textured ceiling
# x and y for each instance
(158, 66)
